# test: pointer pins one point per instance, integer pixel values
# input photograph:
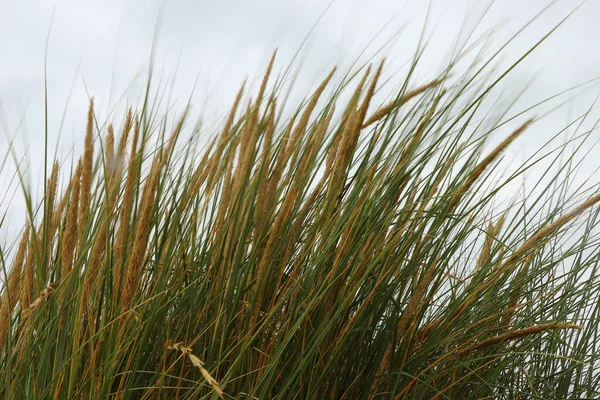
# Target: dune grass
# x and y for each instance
(350, 250)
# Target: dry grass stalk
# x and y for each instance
(134, 264)
(198, 364)
(51, 217)
(86, 173)
(506, 317)
(250, 132)
(109, 145)
(60, 211)
(544, 232)
(226, 193)
(300, 129)
(344, 146)
(69, 237)
(343, 158)
(205, 169)
(100, 241)
(263, 185)
(401, 224)
(124, 136)
(316, 141)
(47, 292)
(387, 109)
(51, 193)
(353, 102)
(491, 236)
(416, 299)
(531, 330)
(223, 140)
(109, 155)
(244, 135)
(532, 243)
(230, 118)
(350, 135)
(126, 208)
(332, 152)
(280, 163)
(223, 201)
(11, 289)
(284, 151)
(28, 273)
(481, 167)
(261, 270)
(263, 85)
(444, 172)
(369, 95)
(412, 309)
(167, 151)
(415, 140)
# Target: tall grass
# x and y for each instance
(349, 250)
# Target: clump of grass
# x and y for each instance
(348, 250)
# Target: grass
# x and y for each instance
(349, 249)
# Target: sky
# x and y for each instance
(102, 49)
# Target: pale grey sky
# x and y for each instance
(104, 45)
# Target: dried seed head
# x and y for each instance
(126, 208)
(481, 167)
(198, 364)
(86, 173)
(530, 330)
(69, 237)
(384, 111)
(47, 292)
(109, 151)
(11, 290)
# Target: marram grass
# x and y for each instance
(348, 250)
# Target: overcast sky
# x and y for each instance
(102, 49)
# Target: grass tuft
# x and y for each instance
(324, 253)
